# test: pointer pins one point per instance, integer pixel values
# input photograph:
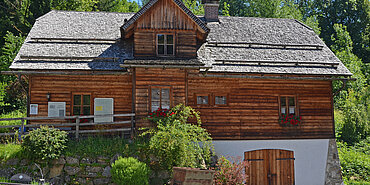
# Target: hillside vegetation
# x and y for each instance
(343, 25)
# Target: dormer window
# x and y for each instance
(165, 45)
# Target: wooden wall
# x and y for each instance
(253, 108)
(157, 77)
(165, 17)
(165, 14)
(252, 111)
(61, 88)
(145, 43)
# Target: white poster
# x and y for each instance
(34, 109)
(56, 109)
(103, 106)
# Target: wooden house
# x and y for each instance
(241, 73)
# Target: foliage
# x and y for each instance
(14, 114)
(12, 96)
(289, 120)
(354, 125)
(355, 160)
(100, 146)
(44, 143)
(355, 14)
(175, 142)
(9, 150)
(130, 171)
(160, 114)
(226, 9)
(195, 6)
(290, 9)
(228, 173)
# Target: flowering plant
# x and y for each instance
(160, 114)
(286, 120)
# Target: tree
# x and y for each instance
(272, 9)
(354, 14)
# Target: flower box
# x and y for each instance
(286, 120)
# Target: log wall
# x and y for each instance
(156, 77)
(145, 43)
(253, 107)
(62, 87)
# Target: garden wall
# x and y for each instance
(69, 170)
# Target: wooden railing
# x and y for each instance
(76, 124)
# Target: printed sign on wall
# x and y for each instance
(103, 106)
(34, 109)
(56, 109)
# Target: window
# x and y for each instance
(288, 105)
(160, 98)
(165, 44)
(220, 100)
(81, 104)
(202, 100)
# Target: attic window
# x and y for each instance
(165, 45)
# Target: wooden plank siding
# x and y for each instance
(252, 111)
(166, 14)
(61, 88)
(147, 78)
(165, 17)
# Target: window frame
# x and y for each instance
(160, 98)
(287, 104)
(203, 94)
(81, 106)
(220, 94)
(165, 44)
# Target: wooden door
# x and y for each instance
(270, 167)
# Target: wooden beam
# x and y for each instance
(63, 73)
(275, 77)
(164, 66)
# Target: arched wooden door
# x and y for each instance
(270, 167)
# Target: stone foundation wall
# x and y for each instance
(65, 170)
(333, 174)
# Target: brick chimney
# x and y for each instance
(211, 10)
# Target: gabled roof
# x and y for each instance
(179, 3)
(65, 40)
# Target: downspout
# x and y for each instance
(340, 89)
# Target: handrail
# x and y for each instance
(77, 124)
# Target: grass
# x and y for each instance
(10, 150)
(101, 146)
(14, 114)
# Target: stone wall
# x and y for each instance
(333, 174)
(65, 170)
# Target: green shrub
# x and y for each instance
(129, 171)
(355, 160)
(177, 143)
(44, 143)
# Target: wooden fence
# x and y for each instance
(69, 126)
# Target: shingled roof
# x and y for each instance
(68, 40)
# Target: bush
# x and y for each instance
(44, 143)
(228, 173)
(177, 143)
(355, 160)
(129, 171)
